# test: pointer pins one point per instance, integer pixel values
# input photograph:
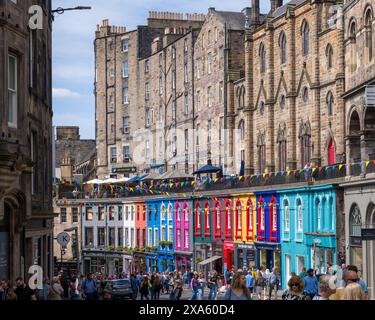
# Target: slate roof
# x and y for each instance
(282, 10)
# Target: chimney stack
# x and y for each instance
(275, 4)
(255, 13)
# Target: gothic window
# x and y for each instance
(282, 44)
(282, 148)
(299, 216)
(305, 143)
(305, 94)
(355, 222)
(305, 37)
(330, 103)
(262, 108)
(261, 154)
(368, 33)
(329, 54)
(353, 45)
(241, 128)
(262, 57)
(282, 102)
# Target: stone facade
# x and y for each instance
(26, 214)
(294, 68)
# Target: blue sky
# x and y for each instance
(73, 52)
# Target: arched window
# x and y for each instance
(330, 103)
(207, 217)
(239, 215)
(305, 37)
(217, 219)
(331, 152)
(262, 108)
(240, 93)
(319, 215)
(282, 148)
(170, 212)
(163, 212)
(250, 216)
(179, 211)
(262, 217)
(329, 55)
(353, 45)
(355, 222)
(282, 102)
(299, 216)
(286, 216)
(262, 57)
(229, 216)
(273, 215)
(261, 153)
(306, 145)
(197, 218)
(282, 45)
(305, 94)
(241, 128)
(368, 29)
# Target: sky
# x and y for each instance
(73, 49)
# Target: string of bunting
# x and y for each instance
(108, 189)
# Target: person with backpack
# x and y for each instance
(89, 288)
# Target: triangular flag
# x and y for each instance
(313, 170)
(264, 175)
(340, 166)
(367, 163)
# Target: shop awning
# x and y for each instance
(205, 262)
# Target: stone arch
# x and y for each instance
(354, 135)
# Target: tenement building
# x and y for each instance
(294, 83)
(26, 215)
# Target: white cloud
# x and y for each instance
(64, 93)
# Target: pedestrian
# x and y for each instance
(185, 279)
(238, 289)
(350, 277)
(4, 288)
(273, 281)
(134, 285)
(190, 276)
(152, 289)
(158, 287)
(250, 283)
(23, 291)
(295, 291)
(311, 284)
(74, 293)
(89, 288)
(57, 291)
(171, 286)
(227, 278)
(212, 284)
(11, 294)
(360, 281)
(303, 273)
(194, 286)
(44, 293)
(325, 290)
(178, 287)
(353, 291)
(259, 284)
(145, 287)
(100, 284)
(65, 282)
(202, 284)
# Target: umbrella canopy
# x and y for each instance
(122, 180)
(136, 179)
(208, 169)
(95, 181)
(111, 180)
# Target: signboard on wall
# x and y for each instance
(124, 170)
(368, 234)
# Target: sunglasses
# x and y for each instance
(354, 280)
(294, 284)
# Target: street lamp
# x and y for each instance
(75, 230)
(61, 10)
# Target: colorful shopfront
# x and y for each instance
(244, 230)
(321, 237)
(268, 230)
(183, 240)
(294, 212)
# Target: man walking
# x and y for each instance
(89, 288)
(273, 284)
(212, 285)
(311, 284)
(250, 283)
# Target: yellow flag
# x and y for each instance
(340, 166)
(367, 163)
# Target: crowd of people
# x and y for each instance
(244, 284)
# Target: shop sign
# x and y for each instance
(368, 234)
(356, 241)
(246, 246)
(228, 245)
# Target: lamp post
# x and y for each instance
(61, 10)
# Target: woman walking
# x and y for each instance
(145, 287)
(259, 285)
(238, 289)
(202, 283)
(194, 286)
(295, 292)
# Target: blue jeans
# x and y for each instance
(195, 294)
(213, 293)
(201, 293)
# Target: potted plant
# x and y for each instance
(169, 244)
(155, 249)
(162, 244)
(111, 248)
(119, 249)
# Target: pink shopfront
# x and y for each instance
(183, 238)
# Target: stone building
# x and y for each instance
(74, 157)
(360, 133)
(294, 86)
(26, 214)
(123, 87)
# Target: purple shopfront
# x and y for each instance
(183, 235)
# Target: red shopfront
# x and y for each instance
(228, 255)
